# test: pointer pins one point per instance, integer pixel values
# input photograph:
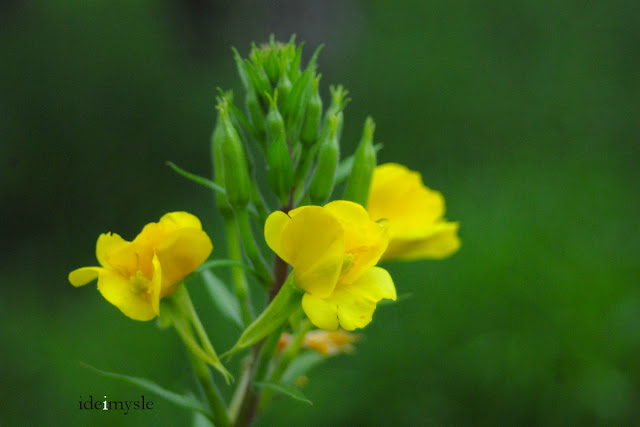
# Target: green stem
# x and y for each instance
(247, 410)
(286, 358)
(241, 389)
(250, 248)
(258, 202)
(266, 355)
(239, 279)
(200, 331)
(203, 375)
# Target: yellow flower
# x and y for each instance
(135, 275)
(414, 213)
(333, 251)
(327, 343)
(330, 343)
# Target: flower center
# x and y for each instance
(347, 263)
(139, 283)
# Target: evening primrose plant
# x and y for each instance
(327, 221)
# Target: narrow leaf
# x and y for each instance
(195, 178)
(223, 299)
(286, 389)
(186, 402)
(225, 263)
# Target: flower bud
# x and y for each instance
(284, 86)
(328, 154)
(339, 100)
(312, 117)
(275, 123)
(234, 162)
(271, 63)
(256, 115)
(364, 162)
(280, 172)
(216, 153)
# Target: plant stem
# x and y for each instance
(248, 408)
(250, 248)
(203, 375)
(288, 354)
(239, 279)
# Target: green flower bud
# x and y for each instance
(364, 162)
(256, 115)
(234, 162)
(284, 87)
(328, 155)
(216, 153)
(313, 116)
(256, 75)
(240, 65)
(275, 123)
(339, 101)
(271, 61)
(280, 172)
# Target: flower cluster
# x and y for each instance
(334, 221)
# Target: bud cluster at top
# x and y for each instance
(285, 115)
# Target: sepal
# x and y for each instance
(283, 305)
(364, 163)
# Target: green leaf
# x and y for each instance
(287, 389)
(198, 420)
(225, 263)
(277, 312)
(186, 402)
(195, 178)
(223, 299)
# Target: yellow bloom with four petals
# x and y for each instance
(414, 212)
(333, 251)
(135, 275)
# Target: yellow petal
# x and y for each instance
(365, 240)
(351, 305)
(84, 275)
(107, 243)
(180, 253)
(398, 195)
(443, 242)
(312, 243)
(151, 235)
(357, 302)
(273, 230)
(155, 232)
(116, 289)
(156, 285)
(130, 258)
(320, 312)
(176, 220)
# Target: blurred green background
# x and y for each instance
(526, 117)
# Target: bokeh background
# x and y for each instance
(524, 115)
